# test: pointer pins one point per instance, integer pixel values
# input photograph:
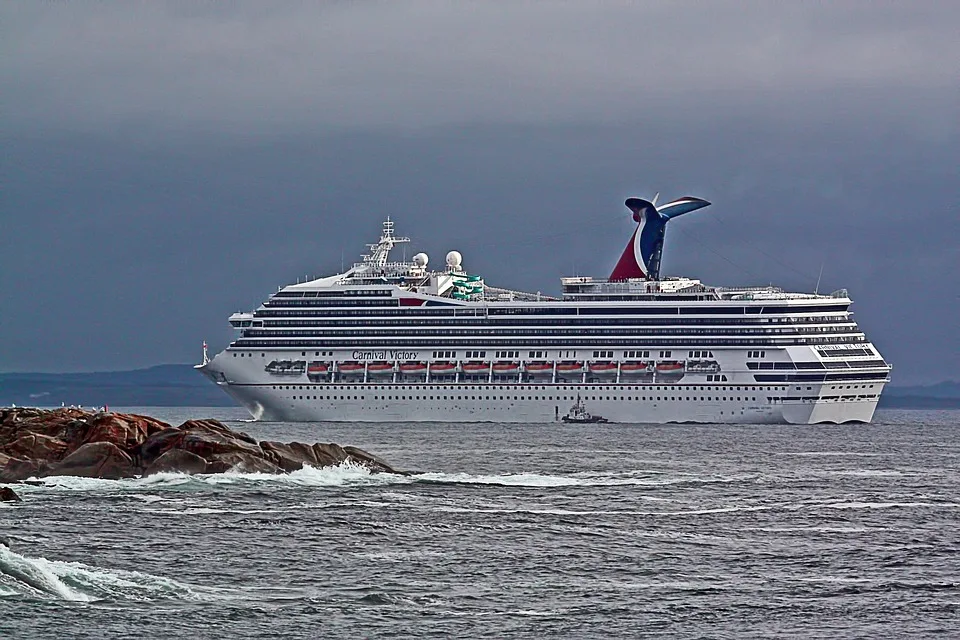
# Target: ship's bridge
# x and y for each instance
(586, 288)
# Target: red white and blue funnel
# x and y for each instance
(641, 258)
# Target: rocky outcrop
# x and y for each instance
(177, 461)
(292, 456)
(96, 460)
(8, 495)
(37, 443)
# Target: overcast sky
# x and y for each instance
(165, 164)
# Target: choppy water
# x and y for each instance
(543, 531)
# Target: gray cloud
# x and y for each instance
(247, 66)
(166, 164)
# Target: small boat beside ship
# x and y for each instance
(578, 414)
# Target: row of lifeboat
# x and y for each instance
(498, 368)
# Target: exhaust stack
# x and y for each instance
(641, 257)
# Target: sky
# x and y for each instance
(167, 163)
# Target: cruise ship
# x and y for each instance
(400, 341)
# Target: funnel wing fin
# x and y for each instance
(681, 206)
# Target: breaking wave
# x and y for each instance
(40, 578)
(350, 474)
(540, 480)
(345, 474)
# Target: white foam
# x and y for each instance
(346, 473)
(351, 474)
(202, 511)
(74, 581)
(865, 473)
(36, 576)
(831, 454)
(888, 505)
(851, 530)
(540, 480)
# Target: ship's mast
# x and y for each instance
(380, 252)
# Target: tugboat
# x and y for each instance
(578, 414)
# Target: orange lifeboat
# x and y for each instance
(603, 368)
(316, 367)
(504, 368)
(670, 368)
(631, 368)
(380, 368)
(539, 367)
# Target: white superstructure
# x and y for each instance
(396, 341)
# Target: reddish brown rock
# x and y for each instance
(291, 456)
(96, 460)
(208, 438)
(370, 461)
(8, 495)
(17, 469)
(177, 461)
(159, 443)
(238, 462)
(329, 454)
(117, 430)
(35, 446)
(36, 442)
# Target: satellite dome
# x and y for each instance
(454, 259)
(421, 260)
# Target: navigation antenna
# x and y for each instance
(816, 290)
(380, 251)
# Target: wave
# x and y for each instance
(604, 512)
(349, 474)
(21, 576)
(887, 505)
(344, 474)
(577, 480)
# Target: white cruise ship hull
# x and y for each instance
(621, 403)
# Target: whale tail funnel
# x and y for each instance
(641, 257)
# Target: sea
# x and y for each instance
(536, 531)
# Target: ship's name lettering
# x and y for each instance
(386, 355)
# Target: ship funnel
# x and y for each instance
(641, 257)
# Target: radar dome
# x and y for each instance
(421, 259)
(454, 259)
